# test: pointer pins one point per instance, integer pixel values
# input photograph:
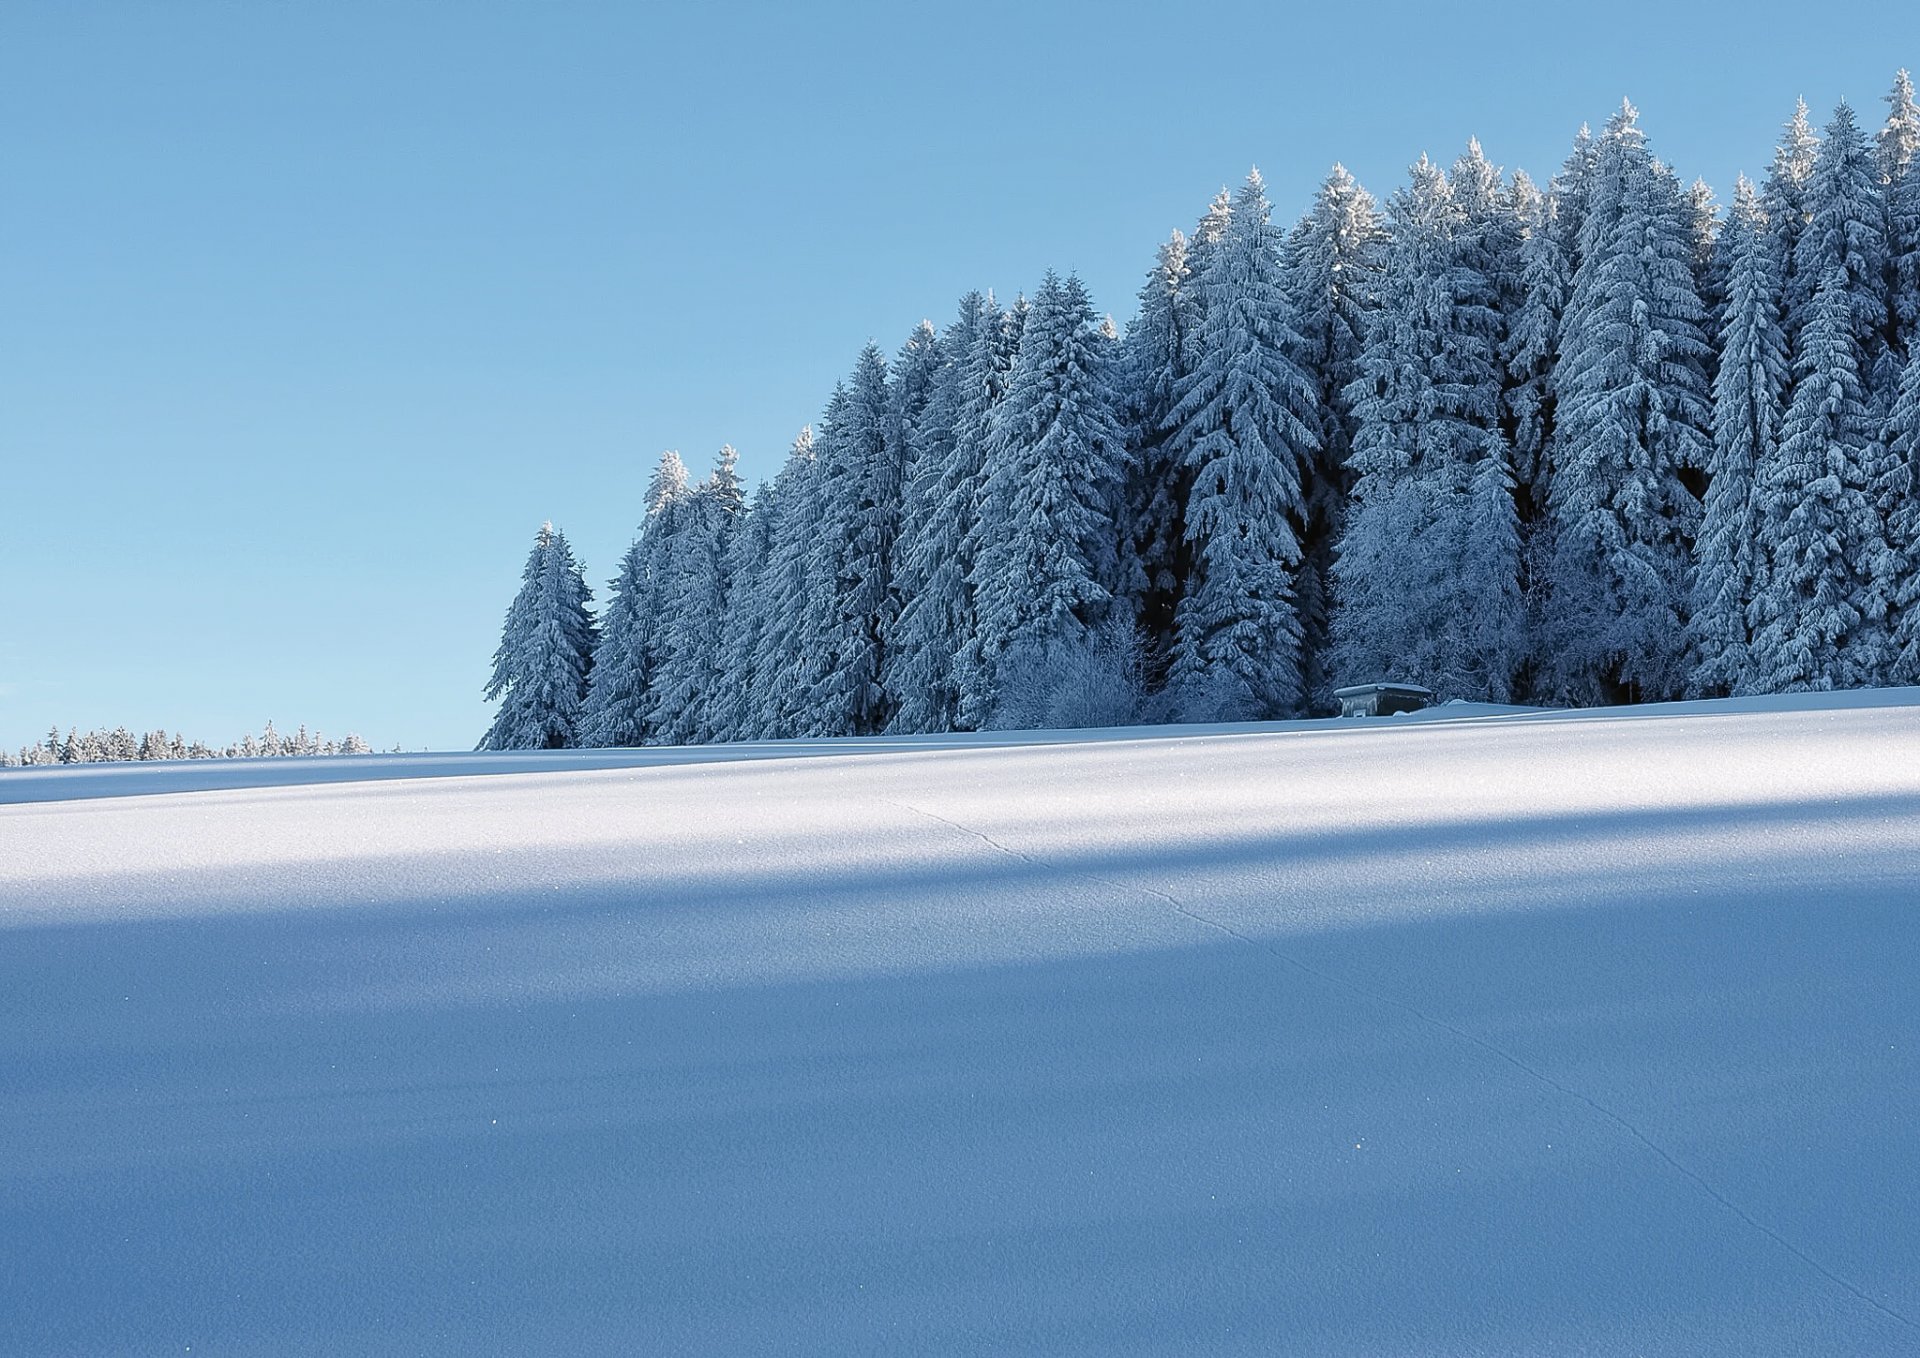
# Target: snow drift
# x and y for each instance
(1504, 1034)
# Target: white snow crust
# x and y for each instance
(1480, 1031)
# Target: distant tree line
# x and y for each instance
(1573, 444)
(121, 745)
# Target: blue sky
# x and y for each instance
(310, 313)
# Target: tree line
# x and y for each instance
(1576, 443)
(118, 745)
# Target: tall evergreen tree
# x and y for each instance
(1245, 428)
(1784, 201)
(850, 604)
(1332, 262)
(1632, 418)
(546, 652)
(688, 678)
(632, 630)
(782, 658)
(935, 552)
(1899, 488)
(1898, 163)
(1819, 613)
(1049, 542)
(1749, 390)
(743, 628)
(1532, 345)
(1429, 573)
(1845, 236)
(1153, 362)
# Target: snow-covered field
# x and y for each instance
(1494, 1034)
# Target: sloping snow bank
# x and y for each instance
(1522, 1033)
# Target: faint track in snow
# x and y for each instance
(1439, 1024)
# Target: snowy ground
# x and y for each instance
(1503, 1034)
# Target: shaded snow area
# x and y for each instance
(1486, 1034)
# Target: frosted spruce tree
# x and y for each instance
(1898, 162)
(688, 678)
(1844, 244)
(1048, 560)
(1749, 391)
(1819, 615)
(1427, 582)
(743, 628)
(850, 608)
(1632, 418)
(781, 659)
(1152, 365)
(1332, 262)
(1531, 345)
(1783, 199)
(546, 652)
(934, 554)
(1244, 426)
(1900, 487)
(631, 631)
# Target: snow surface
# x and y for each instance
(1453, 1034)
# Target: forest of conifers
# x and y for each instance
(1572, 444)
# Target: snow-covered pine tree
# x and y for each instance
(546, 652)
(1153, 360)
(1703, 229)
(1749, 391)
(1244, 425)
(1898, 163)
(1428, 577)
(1632, 416)
(1331, 262)
(783, 654)
(1846, 235)
(631, 628)
(1819, 614)
(850, 608)
(730, 706)
(934, 555)
(1783, 198)
(916, 370)
(1571, 190)
(684, 685)
(1048, 557)
(1900, 487)
(1531, 346)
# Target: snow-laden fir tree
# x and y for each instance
(688, 676)
(1152, 364)
(1532, 342)
(934, 554)
(850, 607)
(1703, 229)
(743, 628)
(1749, 391)
(1900, 488)
(1571, 190)
(1427, 581)
(1820, 609)
(546, 652)
(1049, 558)
(632, 625)
(1331, 262)
(1845, 237)
(1244, 425)
(1898, 162)
(1783, 198)
(1632, 417)
(782, 660)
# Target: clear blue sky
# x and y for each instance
(311, 312)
